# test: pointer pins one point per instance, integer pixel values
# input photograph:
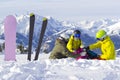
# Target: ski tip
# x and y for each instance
(31, 14)
(44, 19)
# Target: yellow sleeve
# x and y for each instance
(70, 44)
(82, 45)
(95, 45)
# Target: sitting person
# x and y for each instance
(105, 44)
(75, 45)
(60, 51)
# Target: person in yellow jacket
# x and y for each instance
(105, 44)
(74, 44)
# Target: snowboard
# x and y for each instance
(31, 31)
(10, 24)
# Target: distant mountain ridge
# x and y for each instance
(55, 28)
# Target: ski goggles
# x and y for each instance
(100, 39)
(77, 35)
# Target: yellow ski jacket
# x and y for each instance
(107, 48)
(73, 45)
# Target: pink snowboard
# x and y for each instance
(10, 38)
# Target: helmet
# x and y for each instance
(77, 32)
(65, 36)
(101, 34)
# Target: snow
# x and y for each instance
(59, 69)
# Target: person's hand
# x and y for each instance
(86, 48)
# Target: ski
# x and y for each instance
(44, 25)
(31, 31)
(10, 25)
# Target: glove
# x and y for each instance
(86, 48)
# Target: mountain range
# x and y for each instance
(55, 28)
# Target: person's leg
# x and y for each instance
(92, 55)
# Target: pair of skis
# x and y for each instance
(31, 31)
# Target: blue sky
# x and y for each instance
(72, 10)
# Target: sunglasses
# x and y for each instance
(77, 35)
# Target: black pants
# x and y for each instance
(91, 54)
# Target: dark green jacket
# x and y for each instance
(60, 51)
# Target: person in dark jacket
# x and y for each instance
(60, 51)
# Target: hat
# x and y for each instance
(77, 32)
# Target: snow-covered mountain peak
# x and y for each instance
(114, 29)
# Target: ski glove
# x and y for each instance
(86, 48)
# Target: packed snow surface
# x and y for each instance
(59, 69)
